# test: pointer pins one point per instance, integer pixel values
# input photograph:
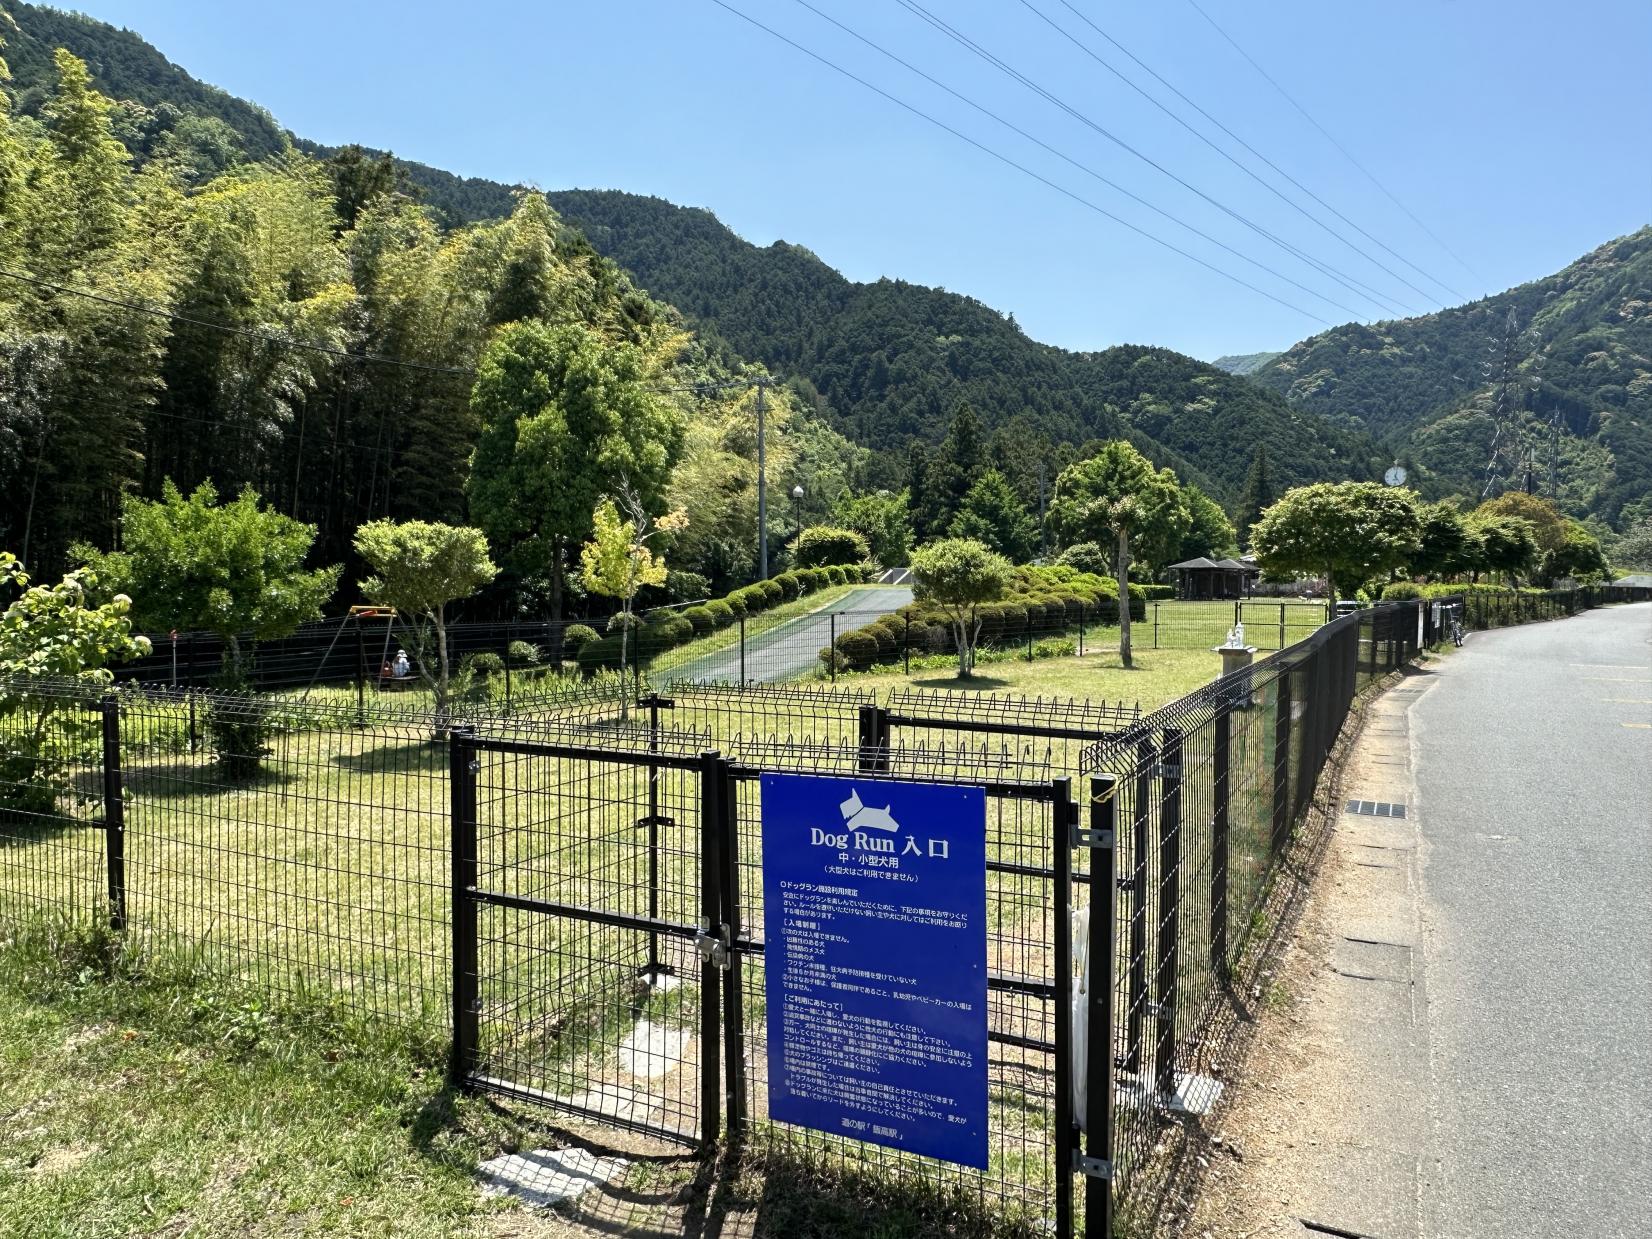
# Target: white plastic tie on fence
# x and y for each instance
(544, 1177)
(1080, 1056)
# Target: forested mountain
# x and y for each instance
(892, 358)
(1243, 363)
(888, 362)
(1572, 350)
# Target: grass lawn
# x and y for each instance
(1159, 676)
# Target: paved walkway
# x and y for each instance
(793, 649)
(1469, 1050)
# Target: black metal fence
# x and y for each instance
(573, 889)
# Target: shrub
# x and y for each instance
(577, 637)
(484, 664)
(735, 602)
(888, 636)
(686, 586)
(822, 577)
(836, 574)
(700, 618)
(1401, 591)
(1086, 557)
(524, 653)
(1155, 593)
(828, 544)
(722, 615)
(665, 634)
(791, 585)
(773, 593)
(603, 653)
(859, 648)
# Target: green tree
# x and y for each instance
(1209, 532)
(1258, 493)
(420, 567)
(822, 545)
(566, 418)
(991, 513)
(883, 520)
(51, 632)
(1116, 498)
(1578, 556)
(960, 575)
(1349, 532)
(235, 569)
(617, 561)
(1505, 544)
(1444, 547)
(1633, 548)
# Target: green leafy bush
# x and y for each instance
(722, 614)
(859, 649)
(827, 545)
(700, 618)
(524, 653)
(1401, 591)
(484, 664)
(576, 637)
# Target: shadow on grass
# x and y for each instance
(954, 683)
(187, 778)
(409, 757)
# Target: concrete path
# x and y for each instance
(1466, 1050)
(793, 649)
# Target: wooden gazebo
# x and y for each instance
(1201, 579)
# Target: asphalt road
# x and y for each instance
(1532, 767)
(793, 649)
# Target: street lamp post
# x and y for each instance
(797, 516)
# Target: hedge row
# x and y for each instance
(663, 630)
(1042, 600)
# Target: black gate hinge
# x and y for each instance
(1094, 1167)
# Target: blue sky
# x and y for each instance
(1518, 132)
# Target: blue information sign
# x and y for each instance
(875, 928)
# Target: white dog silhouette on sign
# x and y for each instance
(859, 816)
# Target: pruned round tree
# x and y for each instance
(959, 575)
(822, 546)
(1349, 532)
(419, 567)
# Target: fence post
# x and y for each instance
(831, 645)
(507, 679)
(194, 732)
(1065, 819)
(1219, 847)
(1029, 640)
(1282, 759)
(1155, 625)
(1136, 1001)
(906, 648)
(734, 995)
(466, 988)
(653, 835)
(1098, 1057)
(743, 654)
(114, 814)
(1282, 625)
(713, 790)
(873, 739)
(1081, 630)
(1170, 907)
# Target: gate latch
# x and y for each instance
(1094, 1167)
(716, 946)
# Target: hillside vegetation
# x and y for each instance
(1579, 348)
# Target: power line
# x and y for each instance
(1369, 175)
(1082, 167)
(228, 328)
(1016, 75)
(1213, 120)
(1019, 167)
(1293, 204)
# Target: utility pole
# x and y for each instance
(1043, 524)
(762, 489)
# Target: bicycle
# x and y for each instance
(1456, 627)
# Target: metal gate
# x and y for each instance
(586, 912)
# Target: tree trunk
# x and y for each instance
(555, 635)
(1124, 598)
(442, 664)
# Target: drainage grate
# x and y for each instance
(1376, 808)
